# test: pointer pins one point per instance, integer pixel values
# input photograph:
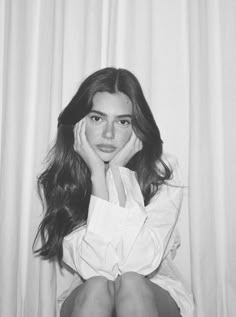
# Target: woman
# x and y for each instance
(112, 200)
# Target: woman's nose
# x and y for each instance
(108, 131)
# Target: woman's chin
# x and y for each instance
(105, 157)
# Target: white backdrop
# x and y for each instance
(183, 53)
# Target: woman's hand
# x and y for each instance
(95, 164)
(83, 148)
(133, 146)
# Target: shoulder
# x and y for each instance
(170, 192)
(172, 164)
(169, 159)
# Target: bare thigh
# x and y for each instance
(137, 295)
(93, 286)
(68, 305)
(167, 306)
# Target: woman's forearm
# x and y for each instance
(99, 185)
(119, 185)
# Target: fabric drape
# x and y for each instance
(183, 53)
(212, 153)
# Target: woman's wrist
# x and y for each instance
(119, 185)
(99, 185)
(98, 171)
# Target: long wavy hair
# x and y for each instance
(64, 186)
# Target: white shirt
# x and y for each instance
(136, 238)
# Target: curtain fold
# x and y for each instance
(211, 34)
(183, 53)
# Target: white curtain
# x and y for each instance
(183, 53)
(212, 34)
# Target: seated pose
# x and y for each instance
(112, 200)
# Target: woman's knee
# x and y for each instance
(133, 284)
(134, 295)
(128, 280)
(96, 288)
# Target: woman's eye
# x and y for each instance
(95, 118)
(124, 122)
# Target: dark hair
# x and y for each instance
(65, 186)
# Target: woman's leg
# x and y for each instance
(95, 297)
(137, 296)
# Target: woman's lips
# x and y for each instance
(106, 148)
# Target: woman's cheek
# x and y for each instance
(126, 136)
(91, 133)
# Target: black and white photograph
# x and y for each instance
(117, 158)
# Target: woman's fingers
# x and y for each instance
(84, 149)
(133, 137)
(82, 132)
(77, 135)
(128, 151)
(136, 143)
(133, 145)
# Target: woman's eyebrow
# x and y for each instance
(105, 115)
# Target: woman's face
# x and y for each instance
(108, 125)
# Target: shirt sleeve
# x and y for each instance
(91, 249)
(144, 254)
(120, 239)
